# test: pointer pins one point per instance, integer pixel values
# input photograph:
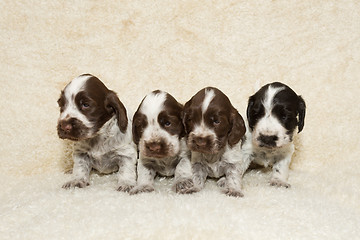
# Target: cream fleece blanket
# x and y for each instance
(180, 47)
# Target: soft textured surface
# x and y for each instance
(180, 47)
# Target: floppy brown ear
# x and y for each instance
(185, 116)
(238, 128)
(137, 122)
(113, 105)
(181, 116)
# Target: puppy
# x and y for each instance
(94, 118)
(274, 112)
(214, 129)
(159, 135)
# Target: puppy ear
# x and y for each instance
(185, 116)
(249, 110)
(136, 127)
(301, 111)
(238, 128)
(183, 133)
(113, 105)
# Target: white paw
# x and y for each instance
(279, 183)
(221, 182)
(80, 183)
(185, 186)
(142, 189)
(124, 187)
(232, 192)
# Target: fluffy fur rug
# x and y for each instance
(180, 47)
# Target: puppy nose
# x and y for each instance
(153, 146)
(67, 127)
(268, 140)
(200, 141)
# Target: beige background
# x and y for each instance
(180, 46)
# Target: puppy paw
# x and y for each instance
(190, 190)
(141, 189)
(80, 183)
(185, 186)
(232, 192)
(124, 187)
(279, 183)
(221, 182)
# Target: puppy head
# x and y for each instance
(211, 122)
(157, 125)
(85, 105)
(273, 114)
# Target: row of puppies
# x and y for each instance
(206, 137)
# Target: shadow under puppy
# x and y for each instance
(214, 129)
(93, 117)
(274, 112)
(159, 134)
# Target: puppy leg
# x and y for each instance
(81, 171)
(126, 174)
(183, 177)
(145, 181)
(237, 164)
(199, 176)
(232, 186)
(281, 173)
(221, 182)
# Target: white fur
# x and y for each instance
(178, 155)
(279, 157)
(209, 96)
(202, 130)
(221, 162)
(109, 150)
(94, 154)
(71, 110)
(182, 172)
(269, 96)
(228, 163)
(152, 105)
(269, 125)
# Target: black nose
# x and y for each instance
(268, 140)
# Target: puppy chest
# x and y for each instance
(164, 166)
(216, 170)
(266, 159)
(105, 163)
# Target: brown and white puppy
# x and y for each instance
(93, 117)
(274, 113)
(214, 129)
(159, 134)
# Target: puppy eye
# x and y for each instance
(167, 124)
(216, 121)
(85, 106)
